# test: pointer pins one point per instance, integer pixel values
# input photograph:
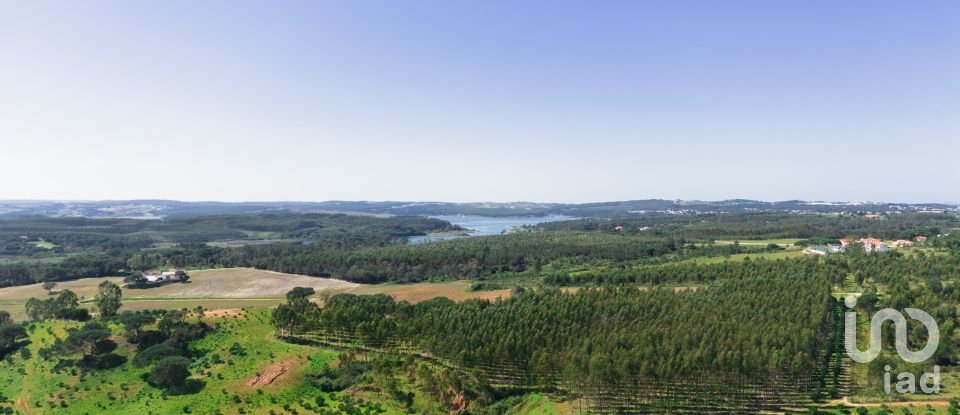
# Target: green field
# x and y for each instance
(44, 244)
(784, 242)
(788, 253)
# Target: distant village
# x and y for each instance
(871, 245)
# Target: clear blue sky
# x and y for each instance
(480, 100)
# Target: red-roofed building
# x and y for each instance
(874, 245)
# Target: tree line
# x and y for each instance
(769, 225)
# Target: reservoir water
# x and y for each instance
(485, 225)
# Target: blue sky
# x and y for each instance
(480, 101)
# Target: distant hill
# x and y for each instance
(158, 209)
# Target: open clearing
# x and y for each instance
(270, 373)
(788, 253)
(239, 283)
(212, 289)
(235, 288)
(217, 283)
(784, 242)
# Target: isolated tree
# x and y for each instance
(171, 372)
(133, 323)
(171, 320)
(67, 300)
(87, 340)
(49, 286)
(108, 299)
(10, 334)
(10, 337)
(300, 294)
(34, 308)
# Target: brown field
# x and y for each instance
(415, 293)
(235, 288)
(217, 283)
(239, 283)
(212, 289)
(85, 288)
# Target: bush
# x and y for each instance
(345, 375)
(237, 350)
(104, 361)
(171, 372)
(75, 314)
(149, 338)
(155, 353)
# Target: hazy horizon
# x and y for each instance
(489, 101)
(427, 201)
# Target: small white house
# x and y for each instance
(174, 275)
(825, 249)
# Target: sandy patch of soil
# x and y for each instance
(271, 373)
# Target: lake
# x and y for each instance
(485, 225)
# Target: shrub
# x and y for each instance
(171, 372)
(155, 353)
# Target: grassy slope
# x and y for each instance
(35, 389)
(537, 404)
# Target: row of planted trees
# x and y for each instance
(755, 342)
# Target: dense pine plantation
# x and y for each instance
(746, 344)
